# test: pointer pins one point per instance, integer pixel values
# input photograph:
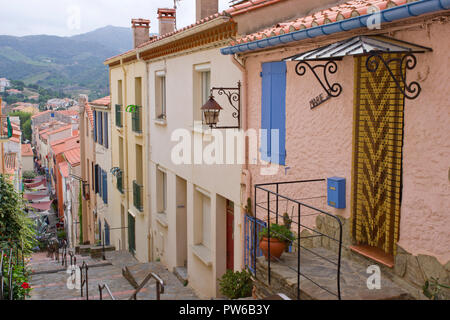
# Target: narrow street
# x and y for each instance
(50, 278)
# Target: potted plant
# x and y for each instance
(280, 236)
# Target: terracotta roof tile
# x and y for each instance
(90, 114)
(64, 169)
(337, 13)
(73, 156)
(105, 101)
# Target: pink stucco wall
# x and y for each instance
(319, 141)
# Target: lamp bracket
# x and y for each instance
(234, 98)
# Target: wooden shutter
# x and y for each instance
(95, 126)
(273, 112)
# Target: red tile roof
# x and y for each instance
(41, 114)
(26, 150)
(247, 6)
(54, 143)
(90, 114)
(69, 144)
(73, 156)
(105, 101)
(64, 128)
(337, 13)
(68, 112)
(64, 169)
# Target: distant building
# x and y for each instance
(4, 83)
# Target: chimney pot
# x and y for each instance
(206, 8)
(167, 20)
(141, 29)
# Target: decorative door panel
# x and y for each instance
(377, 156)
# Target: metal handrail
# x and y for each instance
(299, 204)
(85, 281)
(103, 287)
(159, 286)
(64, 254)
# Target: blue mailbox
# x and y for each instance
(336, 192)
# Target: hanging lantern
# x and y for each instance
(211, 111)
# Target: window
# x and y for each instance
(160, 94)
(161, 191)
(202, 88)
(105, 130)
(119, 105)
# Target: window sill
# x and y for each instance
(160, 122)
(203, 253)
(162, 219)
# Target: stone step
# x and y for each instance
(182, 274)
(353, 281)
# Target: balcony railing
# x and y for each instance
(5, 134)
(119, 122)
(120, 181)
(137, 196)
(136, 122)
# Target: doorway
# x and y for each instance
(230, 235)
(377, 157)
(181, 234)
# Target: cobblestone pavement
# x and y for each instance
(50, 279)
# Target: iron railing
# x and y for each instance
(14, 257)
(84, 277)
(4, 128)
(137, 196)
(136, 123)
(159, 286)
(250, 223)
(120, 181)
(297, 225)
(119, 116)
(102, 287)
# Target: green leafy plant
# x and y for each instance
(29, 174)
(432, 289)
(235, 285)
(20, 280)
(277, 231)
(61, 234)
(248, 207)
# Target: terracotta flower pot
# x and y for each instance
(276, 248)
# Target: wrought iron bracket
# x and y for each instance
(115, 171)
(409, 61)
(234, 98)
(330, 67)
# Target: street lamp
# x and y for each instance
(211, 109)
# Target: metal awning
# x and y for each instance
(360, 45)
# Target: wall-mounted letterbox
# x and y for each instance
(336, 192)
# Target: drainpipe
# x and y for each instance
(244, 113)
(125, 130)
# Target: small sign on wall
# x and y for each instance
(317, 101)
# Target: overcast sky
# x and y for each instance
(70, 17)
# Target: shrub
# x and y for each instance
(279, 232)
(235, 285)
(29, 174)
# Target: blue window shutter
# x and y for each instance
(265, 112)
(100, 127)
(105, 125)
(96, 178)
(278, 113)
(273, 112)
(106, 188)
(95, 126)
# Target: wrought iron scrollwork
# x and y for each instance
(409, 61)
(233, 96)
(335, 89)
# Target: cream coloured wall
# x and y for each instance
(127, 74)
(220, 181)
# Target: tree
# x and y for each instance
(25, 123)
(15, 226)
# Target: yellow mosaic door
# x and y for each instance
(377, 156)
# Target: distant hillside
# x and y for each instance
(72, 64)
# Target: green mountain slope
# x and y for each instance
(72, 64)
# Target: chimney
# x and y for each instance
(166, 19)
(141, 29)
(206, 8)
